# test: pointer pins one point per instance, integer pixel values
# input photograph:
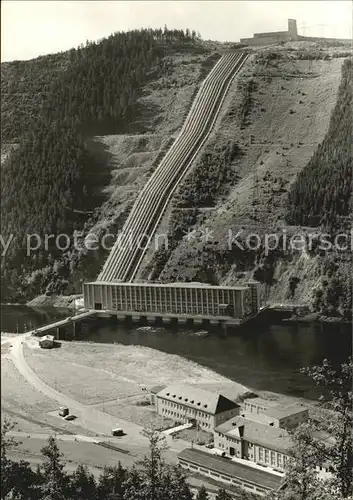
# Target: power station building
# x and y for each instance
(196, 301)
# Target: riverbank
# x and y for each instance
(118, 377)
(286, 312)
(59, 301)
(316, 318)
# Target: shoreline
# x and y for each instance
(268, 395)
(74, 303)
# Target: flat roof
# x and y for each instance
(266, 403)
(270, 33)
(46, 337)
(285, 411)
(264, 435)
(233, 469)
(156, 389)
(164, 285)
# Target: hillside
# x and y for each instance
(278, 113)
(275, 116)
(58, 176)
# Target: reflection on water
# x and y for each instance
(264, 355)
(23, 318)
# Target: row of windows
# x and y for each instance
(177, 308)
(250, 406)
(272, 458)
(182, 416)
(224, 477)
(186, 409)
(219, 295)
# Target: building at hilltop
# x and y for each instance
(186, 403)
(290, 35)
(274, 37)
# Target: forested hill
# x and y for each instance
(61, 100)
(322, 193)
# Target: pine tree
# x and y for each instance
(82, 485)
(56, 482)
(111, 485)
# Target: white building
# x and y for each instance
(249, 440)
(274, 414)
(185, 403)
(261, 443)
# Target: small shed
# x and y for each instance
(46, 342)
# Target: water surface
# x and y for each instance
(264, 355)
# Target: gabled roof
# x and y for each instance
(199, 399)
(264, 435)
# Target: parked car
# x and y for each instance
(63, 412)
(69, 417)
(117, 432)
(210, 446)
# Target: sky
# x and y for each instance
(33, 28)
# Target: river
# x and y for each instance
(265, 355)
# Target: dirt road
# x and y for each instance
(87, 417)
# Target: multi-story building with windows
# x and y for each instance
(259, 443)
(262, 444)
(188, 300)
(186, 403)
(274, 414)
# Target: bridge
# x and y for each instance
(199, 301)
(72, 320)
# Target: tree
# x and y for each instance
(156, 479)
(6, 463)
(56, 482)
(202, 494)
(18, 481)
(82, 485)
(175, 486)
(302, 482)
(327, 439)
(223, 495)
(153, 466)
(111, 484)
(337, 400)
(134, 486)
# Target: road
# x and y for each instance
(87, 416)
